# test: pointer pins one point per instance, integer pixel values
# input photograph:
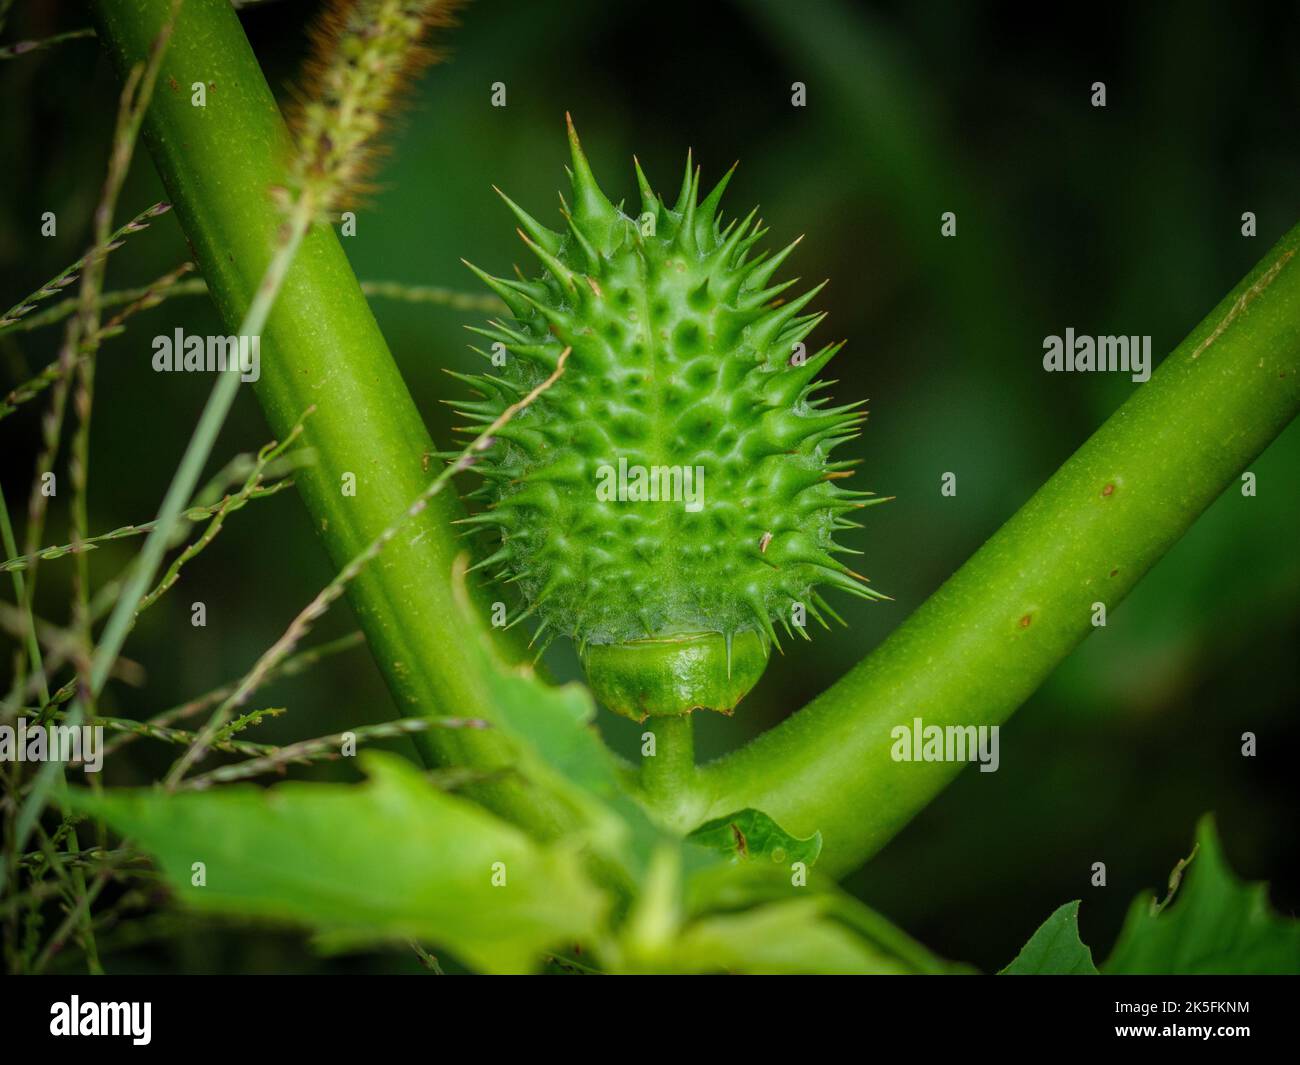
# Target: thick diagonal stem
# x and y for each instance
(980, 646)
(321, 347)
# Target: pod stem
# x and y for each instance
(667, 778)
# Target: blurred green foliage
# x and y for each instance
(1124, 219)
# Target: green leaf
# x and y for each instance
(557, 746)
(751, 834)
(552, 732)
(391, 859)
(1216, 923)
(797, 936)
(553, 728)
(750, 917)
(1055, 948)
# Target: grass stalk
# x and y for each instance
(434, 295)
(139, 82)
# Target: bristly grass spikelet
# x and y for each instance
(70, 274)
(687, 358)
(364, 53)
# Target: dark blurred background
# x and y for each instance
(1125, 220)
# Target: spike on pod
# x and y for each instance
(672, 499)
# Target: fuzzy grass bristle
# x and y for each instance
(363, 54)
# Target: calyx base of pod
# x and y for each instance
(666, 676)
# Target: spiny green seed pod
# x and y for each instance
(671, 495)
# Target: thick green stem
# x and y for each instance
(321, 347)
(667, 778)
(985, 641)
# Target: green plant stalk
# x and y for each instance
(667, 779)
(980, 646)
(20, 597)
(433, 295)
(321, 346)
(139, 81)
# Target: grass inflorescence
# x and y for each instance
(363, 56)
